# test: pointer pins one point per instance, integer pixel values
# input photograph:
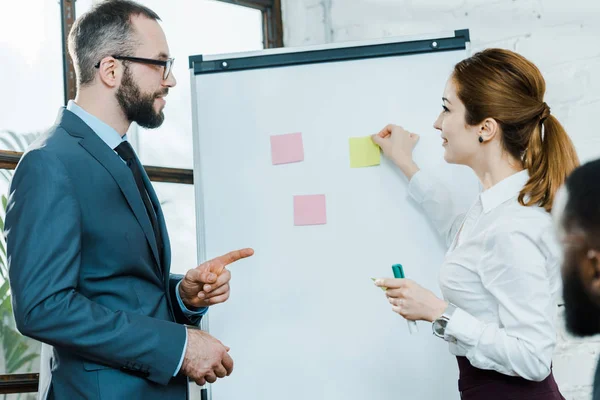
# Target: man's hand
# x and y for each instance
(208, 283)
(206, 358)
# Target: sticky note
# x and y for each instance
(381, 287)
(310, 210)
(363, 152)
(287, 148)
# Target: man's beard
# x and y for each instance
(582, 314)
(139, 107)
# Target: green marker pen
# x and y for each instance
(399, 273)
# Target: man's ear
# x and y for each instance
(591, 273)
(109, 72)
(488, 129)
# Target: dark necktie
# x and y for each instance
(126, 152)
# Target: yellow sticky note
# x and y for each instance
(363, 152)
(381, 287)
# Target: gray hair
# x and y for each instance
(104, 31)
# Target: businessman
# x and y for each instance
(88, 250)
(577, 216)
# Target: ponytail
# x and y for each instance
(549, 158)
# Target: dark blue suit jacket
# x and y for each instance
(85, 272)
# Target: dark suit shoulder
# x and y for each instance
(55, 140)
(47, 149)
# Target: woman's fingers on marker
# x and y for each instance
(396, 302)
(393, 283)
(394, 293)
(398, 310)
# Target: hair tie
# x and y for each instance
(545, 113)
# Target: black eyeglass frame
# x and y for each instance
(167, 64)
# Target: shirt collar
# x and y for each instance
(504, 190)
(108, 135)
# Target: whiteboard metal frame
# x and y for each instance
(270, 58)
(201, 64)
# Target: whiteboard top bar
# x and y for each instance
(204, 64)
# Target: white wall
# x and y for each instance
(561, 37)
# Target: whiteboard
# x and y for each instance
(304, 320)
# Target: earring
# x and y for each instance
(480, 139)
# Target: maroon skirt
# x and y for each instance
(480, 384)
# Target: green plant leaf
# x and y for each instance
(16, 350)
(18, 363)
(6, 312)
(2, 247)
(4, 289)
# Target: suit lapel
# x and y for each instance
(115, 166)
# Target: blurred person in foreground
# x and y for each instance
(577, 218)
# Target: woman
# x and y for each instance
(500, 276)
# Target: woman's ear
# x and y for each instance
(488, 129)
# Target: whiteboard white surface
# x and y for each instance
(304, 320)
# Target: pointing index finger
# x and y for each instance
(231, 257)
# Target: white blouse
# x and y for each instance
(502, 271)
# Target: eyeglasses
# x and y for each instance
(167, 64)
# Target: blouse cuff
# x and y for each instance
(464, 328)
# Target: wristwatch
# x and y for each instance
(439, 325)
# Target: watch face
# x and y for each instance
(439, 326)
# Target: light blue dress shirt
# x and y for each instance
(112, 139)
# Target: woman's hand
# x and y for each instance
(411, 300)
(397, 144)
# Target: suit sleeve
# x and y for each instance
(43, 230)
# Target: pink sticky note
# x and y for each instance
(310, 210)
(287, 148)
